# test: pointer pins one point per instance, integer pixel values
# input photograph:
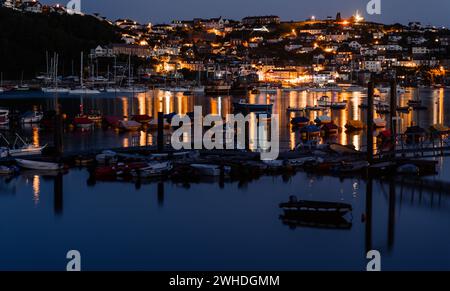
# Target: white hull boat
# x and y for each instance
(32, 117)
(84, 91)
(38, 165)
(154, 170)
(28, 150)
(55, 90)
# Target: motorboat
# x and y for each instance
(245, 106)
(39, 165)
(21, 148)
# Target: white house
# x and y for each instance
(420, 50)
(355, 45)
(372, 66)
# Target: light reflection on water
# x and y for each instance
(156, 101)
(164, 226)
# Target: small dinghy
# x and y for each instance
(39, 165)
(379, 123)
(153, 170)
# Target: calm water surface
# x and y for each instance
(165, 226)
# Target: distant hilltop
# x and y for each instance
(26, 37)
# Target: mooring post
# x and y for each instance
(58, 138)
(393, 115)
(370, 93)
(160, 139)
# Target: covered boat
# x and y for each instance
(330, 129)
(354, 125)
(310, 131)
(300, 121)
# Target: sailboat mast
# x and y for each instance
(81, 71)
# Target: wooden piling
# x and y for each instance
(160, 138)
(393, 114)
(369, 122)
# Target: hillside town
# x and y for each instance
(266, 49)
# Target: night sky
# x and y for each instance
(434, 12)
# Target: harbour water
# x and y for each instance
(209, 226)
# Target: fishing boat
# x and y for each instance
(354, 125)
(379, 123)
(300, 121)
(153, 170)
(211, 170)
(32, 117)
(4, 117)
(129, 125)
(83, 122)
(39, 165)
(243, 105)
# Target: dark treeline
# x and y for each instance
(26, 37)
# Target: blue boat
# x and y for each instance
(300, 121)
